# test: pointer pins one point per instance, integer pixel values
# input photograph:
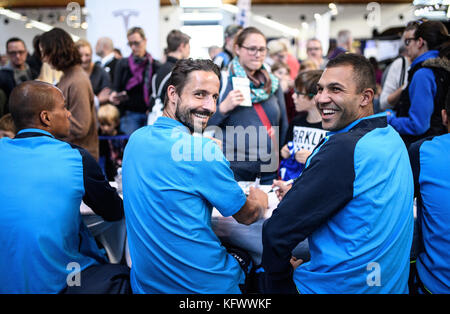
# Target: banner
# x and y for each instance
(113, 18)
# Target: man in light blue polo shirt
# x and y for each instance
(171, 182)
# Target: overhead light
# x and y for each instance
(196, 16)
(11, 14)
(200, 3)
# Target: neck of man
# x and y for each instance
(175, 54)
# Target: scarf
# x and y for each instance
(262, 84)
(138, 68)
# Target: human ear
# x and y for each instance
(44, 117)
(367, 97)
(444, 117)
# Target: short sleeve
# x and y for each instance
(215, 181)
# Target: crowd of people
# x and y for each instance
(358, 146)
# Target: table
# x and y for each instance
(112, 235)
(249, 237)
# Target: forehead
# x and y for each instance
(409, 34)
(135, 36)
(255, 39)
(313, 43)
(16, 44)
(342, 75)
(203, 80)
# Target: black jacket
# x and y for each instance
(122, 74)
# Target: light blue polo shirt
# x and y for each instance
(171, 182)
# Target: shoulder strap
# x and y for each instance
(264, 119)
(163, 82)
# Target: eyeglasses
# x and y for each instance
(134, 43)
(312, 48)
(408, 40)
(19, 52)
(253, 50)
(310, 95)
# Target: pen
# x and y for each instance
(257, 181)
(284, 184)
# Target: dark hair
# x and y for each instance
(363, 71)
(37, 50)
(184, 67)
(27, 100)
(59, 47)
(436, 35)
(15, 39)
(307, 81)
(240, 38)
(175, 39)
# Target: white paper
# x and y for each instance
(243, 84)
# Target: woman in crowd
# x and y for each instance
(58, 50)
(251, 134)
(100, 79)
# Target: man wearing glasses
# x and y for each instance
(17, 70)
(132, 83)
(315, 52)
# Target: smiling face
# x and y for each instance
(86, 57)
(250, 53)
(197, 101)
(337, 98)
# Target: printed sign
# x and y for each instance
(307, 138)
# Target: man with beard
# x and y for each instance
(171, 182)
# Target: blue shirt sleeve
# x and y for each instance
(216, 181)
(324, 187)
(422, 91)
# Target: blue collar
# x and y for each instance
(171, 123)
(424, 56)
(35, 131)
(351, 125)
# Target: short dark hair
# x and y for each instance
(15, 39)
(184, 67)
(59, 47)
(307, 81)
(363, 71)
(27, 100)
(175, 38)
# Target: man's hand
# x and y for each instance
(295, 262)
(283, 189)
(103, 96)
(254, 208)
(260, 197)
